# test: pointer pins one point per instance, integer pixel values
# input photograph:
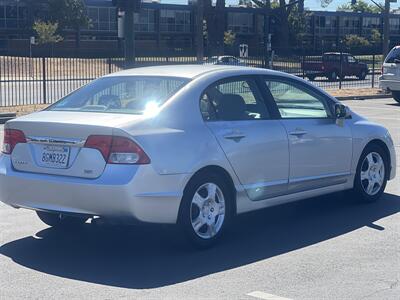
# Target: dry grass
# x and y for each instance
(23, 109)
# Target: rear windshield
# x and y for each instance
(122, 94)
(393, 56)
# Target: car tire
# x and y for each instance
(333, 76)
(58, 220)
(311, 77)
(206, 209)
(362, 75)
(396, 96)
(371, 174)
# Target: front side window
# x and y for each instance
(121, 94)
(351, 59)
(294, 101)
(233, 100)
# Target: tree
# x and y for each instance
(69, 14)
(360, 6)
(285, 12)
(46, 32)
(229, 38)
(376, 37)
(215, 19)
(355, 42)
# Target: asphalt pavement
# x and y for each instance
(320, 248)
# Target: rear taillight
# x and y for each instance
(12, 137)
(118, 149)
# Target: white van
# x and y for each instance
(390, 79)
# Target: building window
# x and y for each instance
(349, 25)
(369, 23)
(240, 22)
(394, 25)
(144, 21)
(260, 23)
(325, 25)
(102, 18)
(13, 16)
(174, 20)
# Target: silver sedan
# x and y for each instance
(191, 145)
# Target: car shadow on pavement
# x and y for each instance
(155, 256)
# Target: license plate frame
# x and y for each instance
(55, 157)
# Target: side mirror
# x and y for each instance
(340, 111)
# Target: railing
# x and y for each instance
(25, 81)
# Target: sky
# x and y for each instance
(311, 4)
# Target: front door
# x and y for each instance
(320, 149)
(255, 145)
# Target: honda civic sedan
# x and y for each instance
(189, 145)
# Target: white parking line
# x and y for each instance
(265, 296)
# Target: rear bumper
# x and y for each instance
(386, 84)
(122, 191)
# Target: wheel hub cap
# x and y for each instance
(372, 173)
(207, 210)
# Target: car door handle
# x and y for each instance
(298, 133)
(236, 136)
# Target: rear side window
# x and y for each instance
(233, 100)
(393, 56)
(122, 94)
(296, 102)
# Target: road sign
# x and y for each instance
(244, 50)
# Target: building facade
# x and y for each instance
(162, 27)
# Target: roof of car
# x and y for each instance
(183, 71)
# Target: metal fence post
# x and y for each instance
(44, 80)
(302, 66)
(341, 69)
(109, 65)
(373, 70)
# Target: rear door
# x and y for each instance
(320, 149)
(255, 144)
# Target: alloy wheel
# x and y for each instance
(372, 173)
(207, 210)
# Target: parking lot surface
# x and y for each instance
(320, 248)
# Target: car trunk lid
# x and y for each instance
(55, 142)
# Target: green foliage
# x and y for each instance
(375, 37)
(297, 26)
(69, 13)
(353, 42)
(360, 6)
(229, 38)
(46, 32)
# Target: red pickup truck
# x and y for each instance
(329, 67)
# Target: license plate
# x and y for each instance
(55, 156)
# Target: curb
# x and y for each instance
(366, 97)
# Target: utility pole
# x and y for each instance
(127, 8)
(199, 31)
(386, 13)
(266, 32)
(129, 34)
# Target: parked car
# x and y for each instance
(330, 67)
(191, 145)
(390, 78)
(225, 60)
